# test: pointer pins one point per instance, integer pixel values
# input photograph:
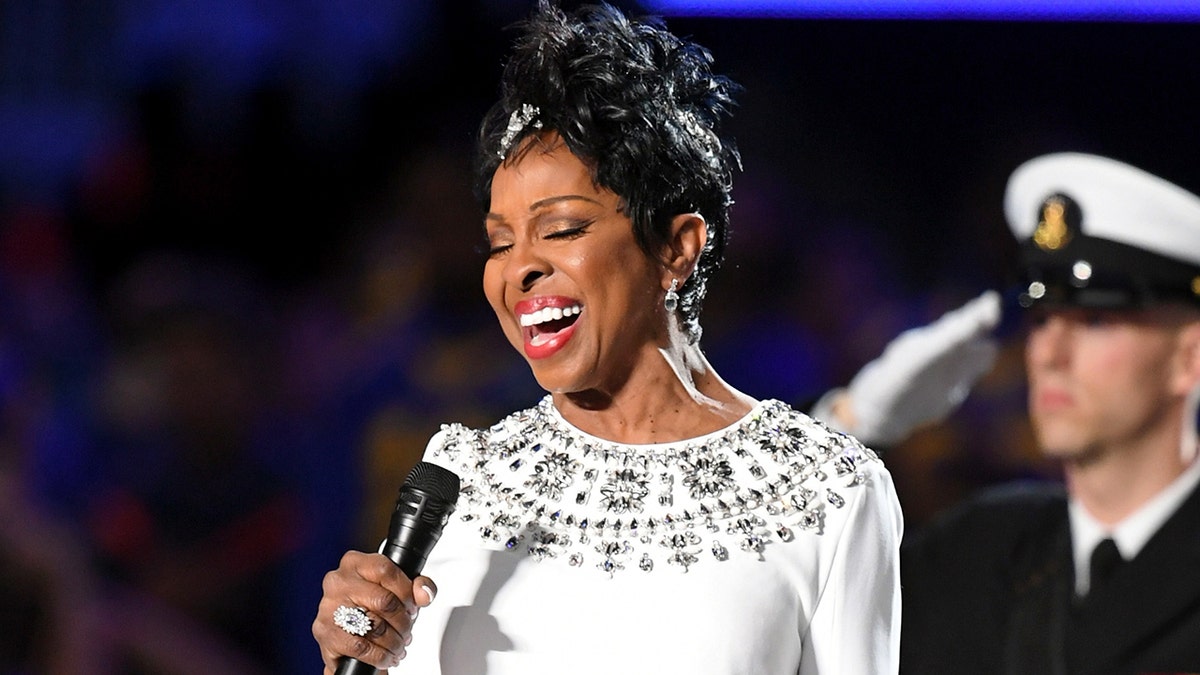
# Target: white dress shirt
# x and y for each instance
(1132, 533)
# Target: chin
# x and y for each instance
(1061, 446)
(553, 382)
(1060, 453)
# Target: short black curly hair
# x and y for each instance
(641, 108)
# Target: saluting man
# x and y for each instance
(1101, 575)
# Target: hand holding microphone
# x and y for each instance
(370, 597)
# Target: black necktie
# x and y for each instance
(1105, 560)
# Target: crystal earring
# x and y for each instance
(671, 299)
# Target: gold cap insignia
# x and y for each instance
(1052, 232)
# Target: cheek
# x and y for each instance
(493, 288)
(1126, 374)
(1045, 349)
(619, 276)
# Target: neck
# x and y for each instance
(676, 396)
(1114, 483)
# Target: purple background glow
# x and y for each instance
(1063, 10)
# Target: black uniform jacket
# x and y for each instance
(988, 587)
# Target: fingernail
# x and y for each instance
(430, 591)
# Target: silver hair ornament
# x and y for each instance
(520, 118)
(709, 142)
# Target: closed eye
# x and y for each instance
(498, 250)
(571, 232)
(496, 243)
(1097, 319)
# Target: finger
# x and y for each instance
(377, 568)
(979, 315)
(366, 652)
(375, 583)
(424, 591)
(382, 646)
(387, 627)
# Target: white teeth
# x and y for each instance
(548, 314)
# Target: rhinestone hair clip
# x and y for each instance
(709, 142)
(517, 121)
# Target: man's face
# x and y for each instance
(1104, 381)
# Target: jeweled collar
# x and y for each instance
(534, 483)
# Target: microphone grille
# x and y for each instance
(437, 482)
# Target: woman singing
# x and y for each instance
(644, 517)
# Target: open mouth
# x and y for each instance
(545, 324)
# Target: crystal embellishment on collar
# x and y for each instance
(533, 484)
(517, 121)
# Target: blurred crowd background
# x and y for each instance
(240, 258)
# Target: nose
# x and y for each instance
(524, 266)
(1048, 343)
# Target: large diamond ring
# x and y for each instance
(353, 620)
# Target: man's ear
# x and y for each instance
(1186, 381)
(688, 235)
(1188, 373)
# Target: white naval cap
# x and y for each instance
(1096, 232)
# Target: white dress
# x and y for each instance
(769, 547)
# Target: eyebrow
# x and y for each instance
(548, 201)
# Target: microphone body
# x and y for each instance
(426, 500)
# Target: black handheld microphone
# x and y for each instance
(426, 501)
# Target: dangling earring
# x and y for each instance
(671, 299)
